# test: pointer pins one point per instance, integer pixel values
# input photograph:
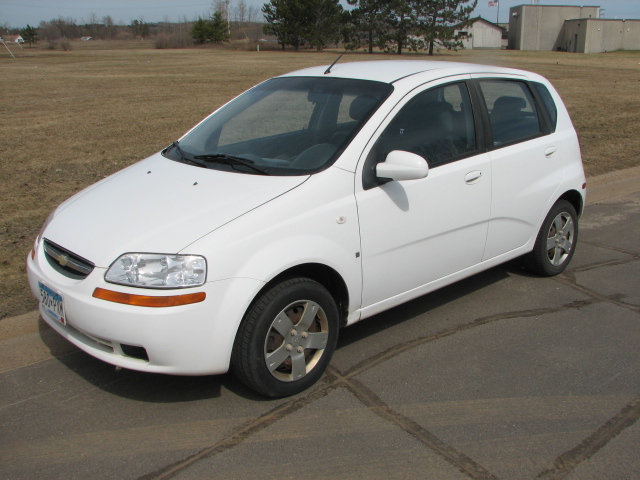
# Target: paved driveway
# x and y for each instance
(504, 375)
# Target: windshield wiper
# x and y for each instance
(231, 160)
(183, 156)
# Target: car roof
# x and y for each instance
(390, 71)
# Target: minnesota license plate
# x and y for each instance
(51, 302)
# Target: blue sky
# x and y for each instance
(19, 13)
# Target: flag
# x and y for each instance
(493, 3)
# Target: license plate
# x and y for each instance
(51, 302)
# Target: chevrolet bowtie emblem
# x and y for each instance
(63, 260)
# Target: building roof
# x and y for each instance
(558, 6)
(491, 24)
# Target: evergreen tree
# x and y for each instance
(365, 23)
(140, 29)
(29, 34)
(298, 22)
(322, 22)
(213, 30)
(285, 20)
(395, 25)
(441, 19)
(219, 31)
(200, 31)
(401, 20)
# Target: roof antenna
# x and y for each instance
(328, 70)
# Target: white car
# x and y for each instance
(310, 202)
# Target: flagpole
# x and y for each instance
(498, 14)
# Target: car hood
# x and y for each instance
(157, 206)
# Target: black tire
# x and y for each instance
(556, 241)
(280, 351)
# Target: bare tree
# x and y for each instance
(252, 14)
(224, 8)
(241, 12)
(108, 26)
(241, 16)
(49, 31)
(93, 24)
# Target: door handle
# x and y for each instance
(472, 177)
(550, 152)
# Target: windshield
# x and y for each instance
(284, 126)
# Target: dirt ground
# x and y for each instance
(72, 118)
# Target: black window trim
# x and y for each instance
(547, 123)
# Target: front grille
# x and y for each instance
(67, 263)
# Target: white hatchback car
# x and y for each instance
(310, 202)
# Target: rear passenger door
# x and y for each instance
(525, 162)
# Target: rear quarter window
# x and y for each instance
(548, 103)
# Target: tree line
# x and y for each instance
(67, 28)
(389, 25)
(241, 19)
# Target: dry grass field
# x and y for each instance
(71, 118)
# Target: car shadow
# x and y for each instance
(426, 303)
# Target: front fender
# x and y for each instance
(316, 222)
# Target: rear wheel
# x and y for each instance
(286, 339)
(556, 241)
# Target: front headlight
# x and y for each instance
(152, 270)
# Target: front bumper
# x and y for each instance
(195, 339)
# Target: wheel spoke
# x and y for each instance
(568, 228)
(558, 223)
(551, 243)
(282, 324)
(309, 314)
(275, 358)
(557, 256)
(298, 366)
(316, 341)
(566, 245)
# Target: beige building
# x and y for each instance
(586, 35)
(569, 29)
(539, 27)
(482, 34)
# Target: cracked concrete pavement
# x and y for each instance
(501, 376)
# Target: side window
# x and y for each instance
(512, 112)
(436, 124)
(549, 104)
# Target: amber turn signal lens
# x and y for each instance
(148, 301)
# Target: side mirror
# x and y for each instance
(400, 165)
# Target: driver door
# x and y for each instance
(416, 232)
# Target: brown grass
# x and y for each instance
(71, 118)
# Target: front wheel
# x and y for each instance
(556, 241)
(286, 339)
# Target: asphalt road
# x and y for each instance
(502, 376)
